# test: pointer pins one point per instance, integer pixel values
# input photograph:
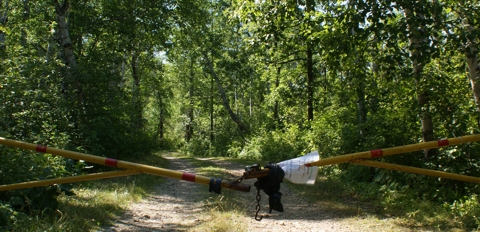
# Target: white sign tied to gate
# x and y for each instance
(296, 171)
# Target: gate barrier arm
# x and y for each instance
(215, 185)
(395, 150)
(360, 158)
(93, 176)
(421, 171)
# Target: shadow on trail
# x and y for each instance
(171, 205)
(296, 205)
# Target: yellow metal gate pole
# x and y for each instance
(127, 165)
(93, 176)
(422, 171)
(395, 150)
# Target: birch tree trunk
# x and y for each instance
(62, 34)
(471, 57)
(361, 106)
(415, 40)
(63, 38)
(212, 125)
(226, 104)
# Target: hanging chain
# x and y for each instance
(258, 198)
(241, 178)
(254, 171)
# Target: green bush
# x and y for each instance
(277, 145)
(466, 210)
(9, 218)
(198, 146)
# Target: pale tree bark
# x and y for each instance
(50, 49)
(212, 125)
(373, 101)
(122, 71)
(62, 34)
(68, 56)
(473, 71)
(226, 104)
(361, 108)
(416, 38)
(250, 96)
(472, 59)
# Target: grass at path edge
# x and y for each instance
(96, 203)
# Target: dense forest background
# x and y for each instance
(268, 80)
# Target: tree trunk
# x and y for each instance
(276, 116)
(212, 135)
(226, 104)
(137, 117)
(189, 126)
(474, 73)
(50, 49)
(422, 95)
(471, 56)
(310, 80)
(250, 96)
(361, 109)
(63, 37)
(122, 70)
(161, 116)
(310, 74)
(161, 125)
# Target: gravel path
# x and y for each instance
(301, 215)
(178, 206)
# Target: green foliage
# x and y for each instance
(277, 145)
(11, 219)
(143, 80)
(466, 210)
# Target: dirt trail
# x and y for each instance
(301, 215)
(178, 206)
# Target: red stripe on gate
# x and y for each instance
(442, 142)
(376, 153)
(308, 165)
(41, 148)
(188, 177)
(111, 162)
